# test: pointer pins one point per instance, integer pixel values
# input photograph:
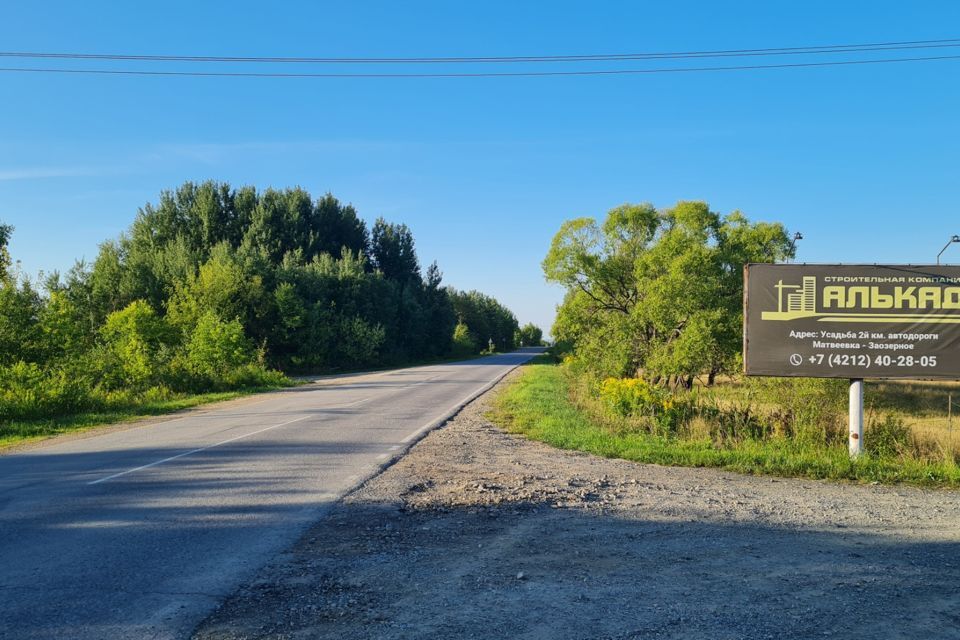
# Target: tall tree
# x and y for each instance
(439, 316)
(529, 335)
(337, 227)
(393, 251)
(657, 293)
(5, 232)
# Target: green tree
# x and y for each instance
(393, 252)
(657, 293)
(529, 335)
(216, 348)
(280, 223)
(337, 227)
(5, 232)
(223, 285)
(64, 328)
(487, 318)
(439, 316)
(20, 335)
(311, 288)
(137, 345)
(463, 342)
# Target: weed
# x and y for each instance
(788, 429)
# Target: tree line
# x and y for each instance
(214, 287)
(657, 294)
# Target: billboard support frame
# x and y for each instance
(855, 432)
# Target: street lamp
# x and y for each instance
(793, 242)
(953, 239)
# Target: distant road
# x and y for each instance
(140, 533)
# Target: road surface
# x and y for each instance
(478, 533)
(142, 532)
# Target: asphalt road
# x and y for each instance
(141, 532)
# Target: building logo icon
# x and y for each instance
(794, 300)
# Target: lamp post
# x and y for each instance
(793, 242)
(953, 239)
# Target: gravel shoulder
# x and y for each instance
(476, 533)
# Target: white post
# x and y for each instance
(856, 417)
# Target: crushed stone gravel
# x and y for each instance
(477, 533)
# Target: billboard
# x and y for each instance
(852, 321)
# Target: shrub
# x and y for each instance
(887, 437)
(734, 422)
(216, 348)
(137, 344)
(155, 395)
(631, 396)
(27, 391)
(463, 342)
(634, 397)
(810, 411)
(359, 341)
(255, 375)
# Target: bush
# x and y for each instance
(218, 356)
(887, 437)
(136, 342)
(158, 394)
(216, 348)
(631, 396)
(463, 342)
(254, 375)
(635, 397)
(810, 411)
(27, 391)
(359, 341)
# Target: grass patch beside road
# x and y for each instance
(546, 403)
(18, 432)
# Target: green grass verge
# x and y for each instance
(538, 406)
(20, 432)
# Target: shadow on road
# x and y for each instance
(531, 570)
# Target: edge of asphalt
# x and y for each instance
(411, 440)
(150, 420)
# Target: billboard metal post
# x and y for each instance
(855, 441)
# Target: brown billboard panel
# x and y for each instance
(852, 321)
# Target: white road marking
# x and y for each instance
(246, 435)
(198, 450)
(407, 439)
(352, 404)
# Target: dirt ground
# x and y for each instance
(476, 533)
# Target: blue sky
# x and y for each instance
(862, 159)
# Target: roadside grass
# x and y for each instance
(926, 408)
(15, 433)
(545, 404)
